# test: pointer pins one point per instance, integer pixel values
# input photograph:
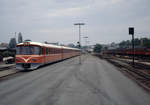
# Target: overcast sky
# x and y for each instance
(52, 20)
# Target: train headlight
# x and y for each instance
(17, 60)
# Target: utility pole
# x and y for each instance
(79, 24)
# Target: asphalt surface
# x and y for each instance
(94, 82)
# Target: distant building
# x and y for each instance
(12, 43)
(20, 39)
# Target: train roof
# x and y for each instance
(45, 45)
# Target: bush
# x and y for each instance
(1, 57)
(97, 48)
(6, 54)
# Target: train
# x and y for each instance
(138, 52)
(32, 55)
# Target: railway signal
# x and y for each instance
(131, 32)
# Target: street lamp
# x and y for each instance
(79, 24)
(85, 42)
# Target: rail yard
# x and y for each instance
(95, 81)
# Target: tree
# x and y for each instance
(142, 42)
(146, 42)
(1, 56)
(137, 42)
(122, 44)
(6, 53)
(97, 48)
(12, 43)
(20, 39)
(125, 44)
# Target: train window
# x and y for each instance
(49, 50)
(46, 50)
(36, 50)
(43, 51)
(52, 50)
(59, 50)
(55, 51)
(18, 50)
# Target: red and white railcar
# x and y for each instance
(31, 55)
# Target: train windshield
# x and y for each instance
(28, 50)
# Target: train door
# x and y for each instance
(43, 55)
(62, 53)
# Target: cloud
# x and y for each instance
(106, 20)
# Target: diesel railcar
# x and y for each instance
(31, 55)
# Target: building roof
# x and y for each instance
(46, 45)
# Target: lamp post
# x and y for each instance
(131, 32)
(85, 42)
(79, 24)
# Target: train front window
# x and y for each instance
(28, 50)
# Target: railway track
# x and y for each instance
(142, 77)
(7, 71)
(7, 67)
(138, 63)
(128, 67)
